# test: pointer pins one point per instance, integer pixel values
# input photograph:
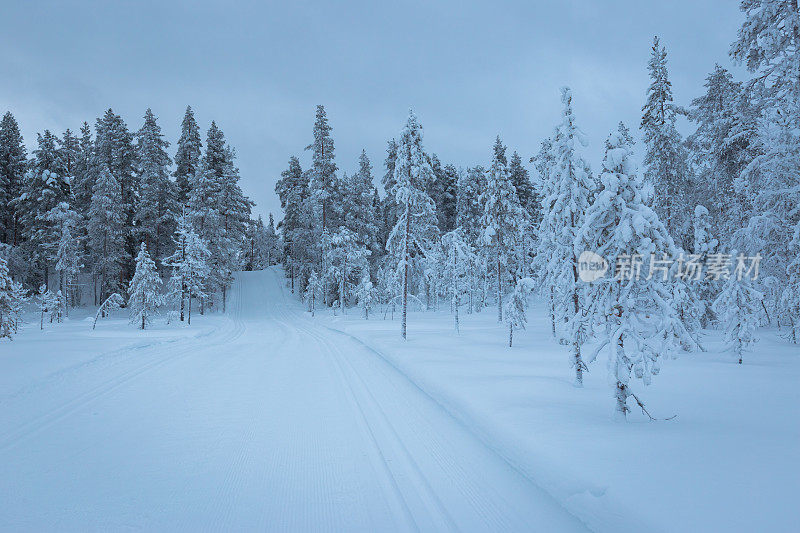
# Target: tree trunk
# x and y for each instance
(621, 393)
(189, 314)
(499, 292)
(510, 334)
(576, 347)
(405, 271)
(183, 297)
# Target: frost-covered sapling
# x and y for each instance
(515, 307)
(738, 307)
(313, 289)
(365, 293)
(637, 318)
(144, 290)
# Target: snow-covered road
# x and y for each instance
(261, 420)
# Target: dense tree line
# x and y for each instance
(94, 202)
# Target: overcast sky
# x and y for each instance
(471, 70)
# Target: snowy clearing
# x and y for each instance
(269, 419)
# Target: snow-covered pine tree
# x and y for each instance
(469, 211)
(545, 163)
(8, 304)
(313, 288)
(459, 263)
(346, 257)
(565, 199)
(13, 162)
(46, 302)
(156, 205)
(357, 210)
(704, 244)
(388, 207)
(43, 189)
(66, 252)
(528, 198)
(106, 238)
(190, 268)
(720, 148)
(665, 157)
(790, 297)
(637, 318)
(738, 307)
(187, 156)
(416, 225)
(115, 151)
(323, 186)
(292, 189)
(501, 220)
(68, 152)
(516, 305)
(365, 293)
(144, 290)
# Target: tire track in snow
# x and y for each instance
(77, 403)
(381, 464)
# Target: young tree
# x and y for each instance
(637, 318)
(67, 250)
(738, 307)
(460, 261)
(345, 257)
(313, 288)
(190, 268)
(416, 224)
(790, 298)
(365, 293)
(144, 289)
(515, 307)
(46, 302)
(704, 245)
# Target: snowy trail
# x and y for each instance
(267, 422)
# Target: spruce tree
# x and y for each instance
(501, 220)
(665, 157)
(156, 204)
(323, 185)
(187, 156)
(416, 224)
(566, 197)
(45, 186)
(106, 223)
(738, 307)
(115, 151)
(635, 314)
(144, 290)
(190, 268)
(13, 162)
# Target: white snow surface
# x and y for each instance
(267, 419)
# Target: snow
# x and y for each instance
(268, 419)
